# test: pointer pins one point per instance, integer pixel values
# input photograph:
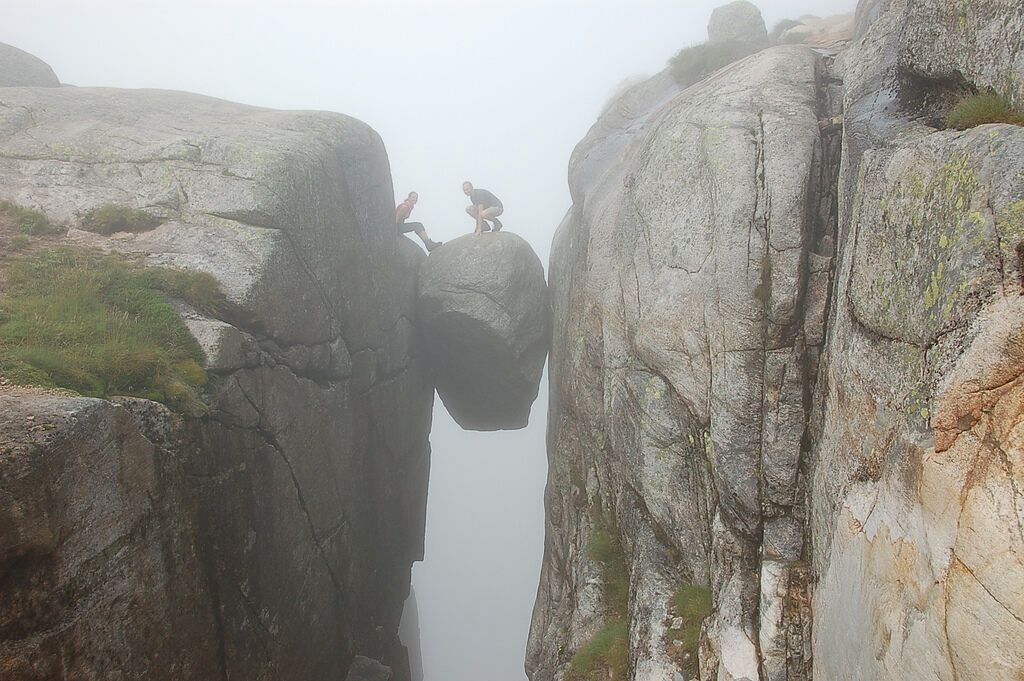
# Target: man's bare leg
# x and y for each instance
(476, 213)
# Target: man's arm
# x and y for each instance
(479, 217)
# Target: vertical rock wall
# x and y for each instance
(689, 285)
(917, 456)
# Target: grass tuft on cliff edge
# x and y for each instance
(102, 325)
(695, 63)
(606, 655)
(987, 107)
(29, 222)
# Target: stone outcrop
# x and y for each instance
(21, 69)
(485, 325)
(787, 360)
(737, 22)
(273, 536)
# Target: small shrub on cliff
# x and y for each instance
(28, 221)
(101, 325)
(693, 64)
(603, 657)
(110, 218)
(987, 107)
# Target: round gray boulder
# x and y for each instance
(485, 324)
(737, 22)
(21, 69)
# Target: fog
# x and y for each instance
(493, 92)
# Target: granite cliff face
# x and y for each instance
(787, 364)
(273, 536)
(918, 549)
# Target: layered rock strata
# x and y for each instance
(273, 536)
(485, 324)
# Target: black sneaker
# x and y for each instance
(431, 244)
(497, 224)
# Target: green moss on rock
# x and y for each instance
(111, 218)
(605, 656)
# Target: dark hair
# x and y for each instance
(467, 182)
(411, 193)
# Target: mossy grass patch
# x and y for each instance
(110, 218)
(982, 108)
(690, 606)
(606, 655)
(28, 221)
(103, 325)
(606, 549)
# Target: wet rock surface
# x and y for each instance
(485, 323)
(272, 537)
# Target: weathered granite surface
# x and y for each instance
(689, 286)
(917, 510)
(788, 358)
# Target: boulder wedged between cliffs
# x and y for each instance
(485, 322)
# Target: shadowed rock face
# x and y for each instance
(272, 537)
(21, 69)
(485, 324)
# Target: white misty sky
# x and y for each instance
(495, 92)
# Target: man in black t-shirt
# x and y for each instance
(485, 206)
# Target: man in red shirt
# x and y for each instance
(403, 211)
